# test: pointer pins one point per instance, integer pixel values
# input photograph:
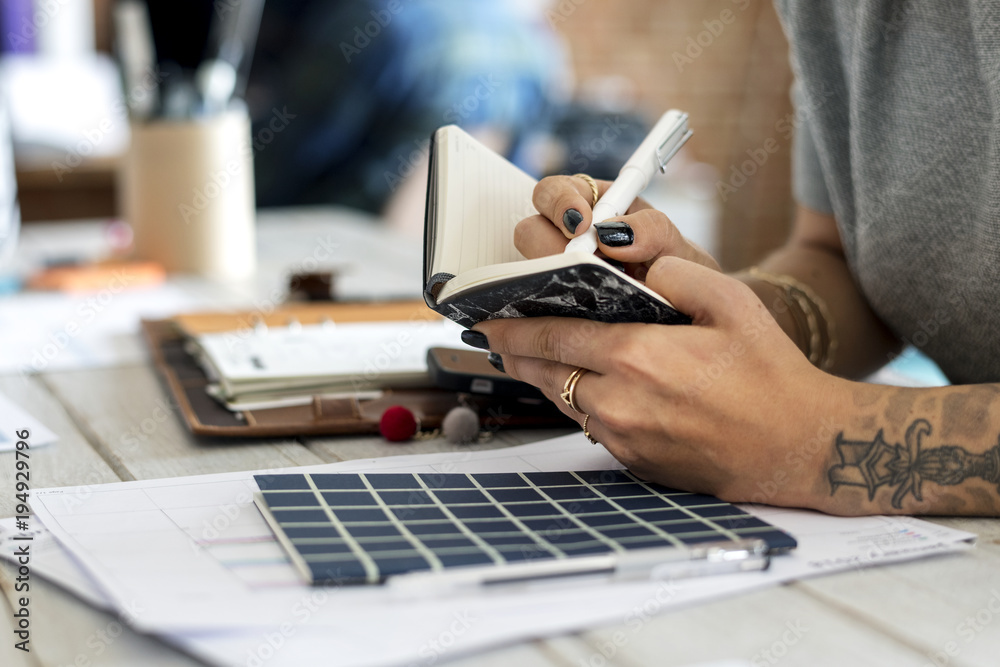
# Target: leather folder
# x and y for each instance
(204, 416)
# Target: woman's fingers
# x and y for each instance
(538, 237)
(644, 236)
(639, 237)
(570, 341)
(709, 297)
(550, 377)
(590, 395)
(567, 201)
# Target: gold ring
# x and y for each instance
(586, 418)
(569, 388)
(593, 186)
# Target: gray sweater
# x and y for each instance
(898, 135)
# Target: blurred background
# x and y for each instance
(343, 96)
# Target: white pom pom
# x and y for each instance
(460, 425)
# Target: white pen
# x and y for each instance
(658, 563)
(661, 144)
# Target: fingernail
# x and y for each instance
(615, 263)
(615, 234)
(496, 361)
(475, 339)
(572, 219)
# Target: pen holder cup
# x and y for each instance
(187, 189)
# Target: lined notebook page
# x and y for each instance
(484, 198)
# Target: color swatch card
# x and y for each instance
(354, 528)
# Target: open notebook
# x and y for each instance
(473, 271)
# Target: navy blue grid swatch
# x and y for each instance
(352, 528)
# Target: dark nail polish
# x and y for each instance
(572, 219)
(496, 361)
(475, 339)
(615, 263)
(615, 234)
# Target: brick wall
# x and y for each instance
(731, 76)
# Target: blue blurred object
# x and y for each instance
(913, 363)
(912, 368)
(365, 83)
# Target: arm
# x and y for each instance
(814, 255)
(730, 406)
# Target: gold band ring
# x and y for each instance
(589, 180)
(568, 394)
(586, 418)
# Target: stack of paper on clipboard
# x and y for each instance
(281, 366)
(197, 558)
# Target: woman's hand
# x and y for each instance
(637, 239)
(714, 407)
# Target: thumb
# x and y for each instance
(707, 296)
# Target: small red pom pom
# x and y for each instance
(397, 424)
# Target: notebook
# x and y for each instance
(473, 271)
(290, 365)
(354, 528)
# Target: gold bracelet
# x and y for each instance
(821, 340)
(803, 334)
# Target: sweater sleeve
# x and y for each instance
(808, 180)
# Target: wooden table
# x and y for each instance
(940, 611)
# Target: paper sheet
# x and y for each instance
(14, 419)
(196, 563)
(50, 331)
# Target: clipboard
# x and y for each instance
(204, 416)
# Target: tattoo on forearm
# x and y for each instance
(875, 464)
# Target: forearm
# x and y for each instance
(910, 451)
(814, 257)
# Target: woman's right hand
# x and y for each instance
(637, 239)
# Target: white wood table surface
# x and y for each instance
(938, 611)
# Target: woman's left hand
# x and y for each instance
(713, 407)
